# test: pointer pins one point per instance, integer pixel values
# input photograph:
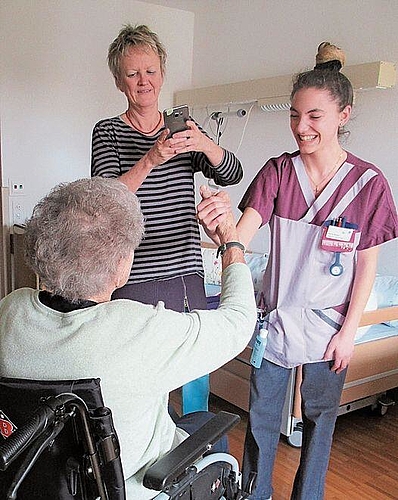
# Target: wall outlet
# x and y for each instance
(16, 188)
(18, 212)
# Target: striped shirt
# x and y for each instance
(171, 245)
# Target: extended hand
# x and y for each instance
(215, 215)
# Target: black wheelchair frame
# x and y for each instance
(95, 470)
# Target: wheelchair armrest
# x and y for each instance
(163, 472)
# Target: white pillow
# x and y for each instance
(386, 288)
(384, 294)
(257, 262)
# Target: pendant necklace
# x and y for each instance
(317, 186)
(145, 132)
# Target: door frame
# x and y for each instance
(4, 236)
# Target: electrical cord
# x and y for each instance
(244, 128)
(221, 125)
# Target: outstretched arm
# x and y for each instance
(212, 210)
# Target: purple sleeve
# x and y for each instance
(381, 221)
(261, 193)
(277, 177)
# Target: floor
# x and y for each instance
(364, 458)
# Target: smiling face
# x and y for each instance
(315, 119)
(140, 77)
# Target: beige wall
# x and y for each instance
(55, 83)
(238, 40)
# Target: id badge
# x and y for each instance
(337, 239)
(338, 236)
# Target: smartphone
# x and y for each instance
(175, 118)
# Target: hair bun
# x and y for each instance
(329, 56)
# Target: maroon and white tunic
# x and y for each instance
(305, 303)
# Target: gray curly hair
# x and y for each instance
(133, 36)
(79, 233)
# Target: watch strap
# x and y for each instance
(222, 248)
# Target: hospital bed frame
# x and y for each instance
(372, 372)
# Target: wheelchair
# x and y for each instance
(59, 442)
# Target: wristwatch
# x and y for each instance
(221, 249)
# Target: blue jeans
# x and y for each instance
(320, 392)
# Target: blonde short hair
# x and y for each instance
(133, 36)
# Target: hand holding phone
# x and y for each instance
(175, 119)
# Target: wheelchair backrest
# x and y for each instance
(60, 472)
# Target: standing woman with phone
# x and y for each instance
(134, 148)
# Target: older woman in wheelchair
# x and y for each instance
(80, 242)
